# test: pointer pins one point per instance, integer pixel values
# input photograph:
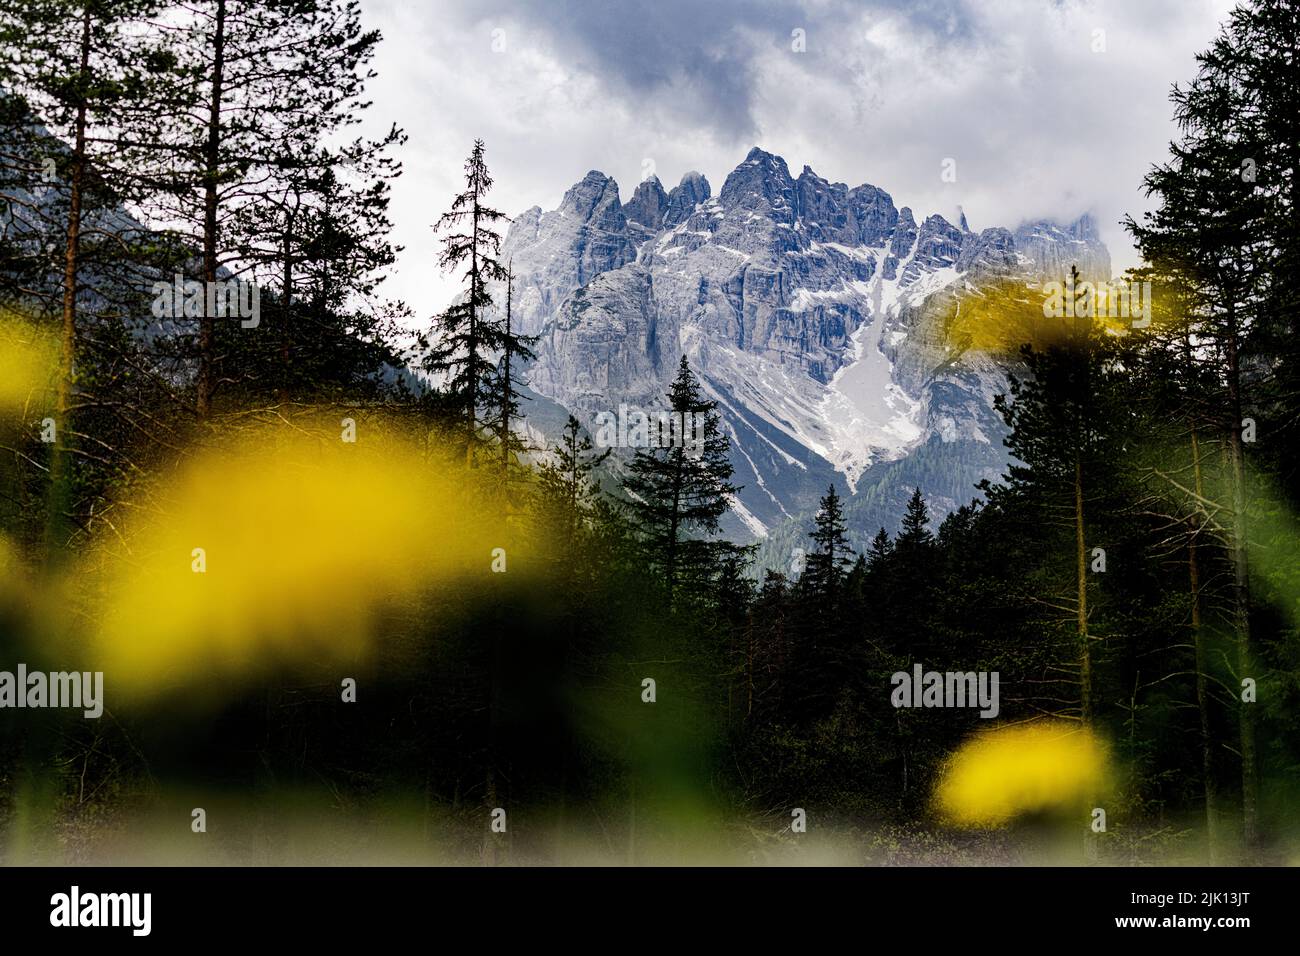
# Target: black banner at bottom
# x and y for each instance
(334, 905)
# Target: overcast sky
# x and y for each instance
(1049, 108)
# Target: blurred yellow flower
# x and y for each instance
(281, 550)
(1002, 773)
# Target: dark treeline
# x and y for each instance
(634, 675)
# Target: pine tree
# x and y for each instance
(567, 490)
(467, 340)
(329, 338)
(767, 651)
(320, 251)
(879, 551)
(1068, 419)
(855, 583)
(677, 490)
(503, 400)
(74, 75)
(902, 583)
(823, 578)
(914, 535)
(1174, 382)
(1227, 221)
(242, 143)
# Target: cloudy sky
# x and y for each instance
(1049, 108)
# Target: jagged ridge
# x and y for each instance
(809, 310)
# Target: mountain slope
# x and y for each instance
(817, 315)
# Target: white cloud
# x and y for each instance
(1039, 124)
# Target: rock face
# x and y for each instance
(610, 331)
(814, 313)
(647, 206)
(686, 195)
(554, 253)
(1051, 249)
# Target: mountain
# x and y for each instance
(817, 315)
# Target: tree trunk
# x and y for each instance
(749, 666)
(1241, 585)
(1084, 354)
(673, 527)
(60, 465)
(286, 301)
(206, 384)
(472, 358)
(1199, 641)
(1081, 566)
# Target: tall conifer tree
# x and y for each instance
(684, 488)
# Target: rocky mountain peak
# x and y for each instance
(555, 252)
(1051, 248)
(1084, 228)
(591, 197)
(648, 204)
(938, 246)
(684, 197)
(823, 209)
(761, 184)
